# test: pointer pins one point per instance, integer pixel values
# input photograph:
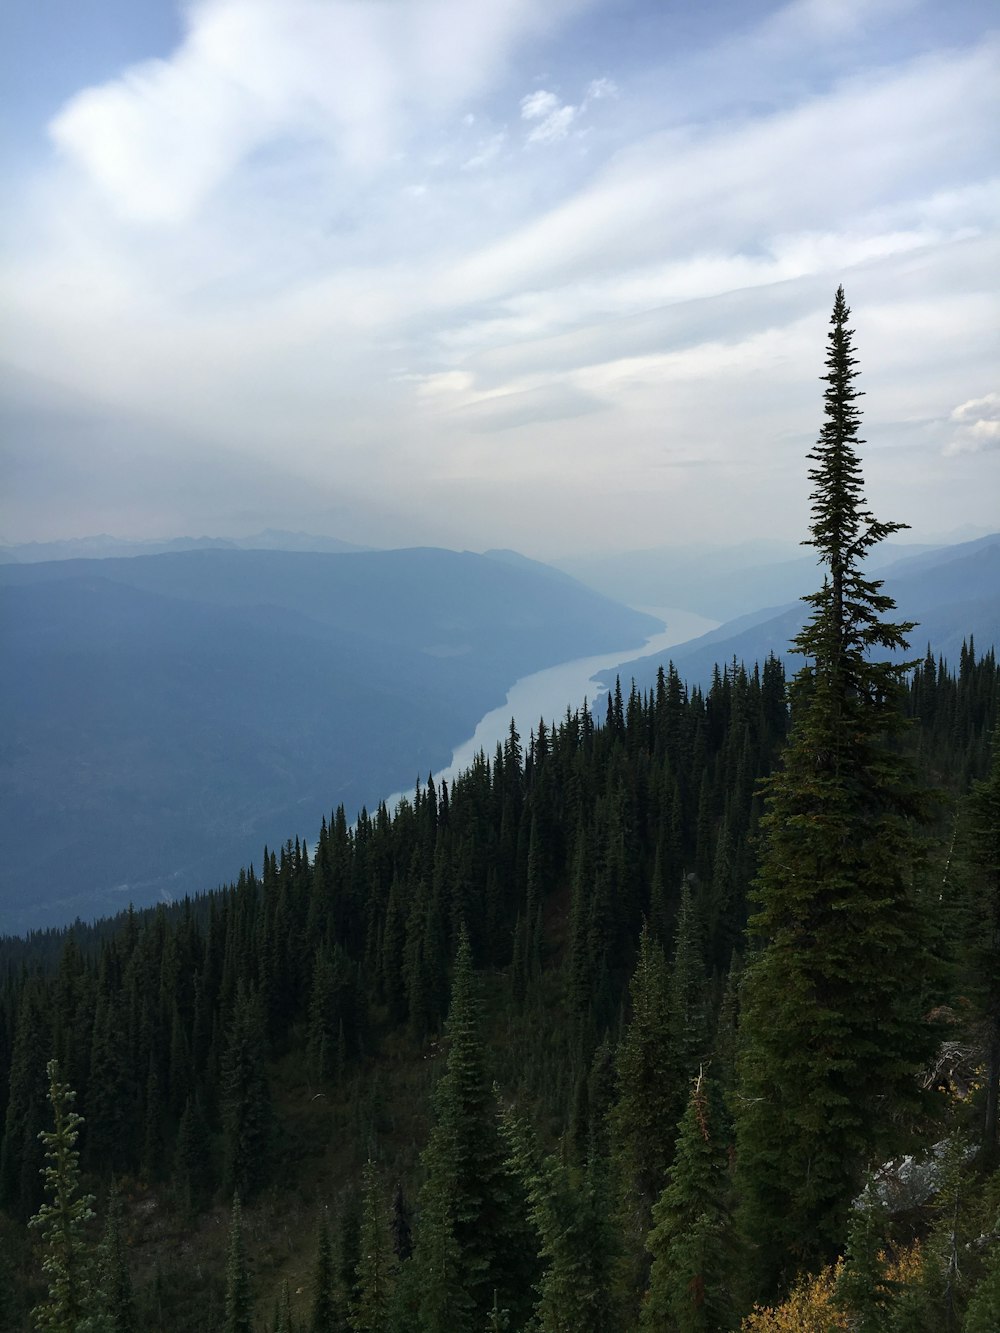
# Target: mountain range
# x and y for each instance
(951, 593)
(163, 716)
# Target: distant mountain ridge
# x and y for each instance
(720, 582)
(104, 547)
(163, 716)
(951, 593)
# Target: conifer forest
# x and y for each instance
(684, 1016)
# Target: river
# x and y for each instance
(546, 694)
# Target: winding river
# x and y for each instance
(546, 694)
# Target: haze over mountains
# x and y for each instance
(163, 716)
(951, 592)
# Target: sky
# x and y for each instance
(549, 276)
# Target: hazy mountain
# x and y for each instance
(103, 546)
(719, 582)
(163, 716)
(951, 592)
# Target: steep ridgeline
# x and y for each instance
(268, 1039)
(163, 716)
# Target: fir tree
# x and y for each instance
(982, 938)
(246, 1099)
(283, 1322)
(645, 1114)
(469, 1209)
(239, 1301)
(72, 1304)
(832, 1027)
(323, 1318)
(569, 1210)
(116, 1282)
(690, 1289)
(21, 1152)
(369, 1313)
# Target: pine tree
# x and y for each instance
(832, 1027)
(239, 1301)
(72, 1304)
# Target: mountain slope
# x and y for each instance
(164, 716)
(950, 593)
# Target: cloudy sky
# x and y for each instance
(547, 275)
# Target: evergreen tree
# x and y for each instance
(283, 1322)
(21, 1147)
(832, 1022)
(690, 1289)
(370, 1312)
(983, 1312)
(324, 1318)
(72, 1304)
(116, 1283)
(569, 1210)
(246, 1099)
(239, 1301)
(982, 938)
(649, 1102)
(469, 1208)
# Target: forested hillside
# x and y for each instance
(271, 1037)
(687, 1020)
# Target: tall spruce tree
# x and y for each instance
(832, 1022)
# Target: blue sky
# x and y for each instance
(547, 276)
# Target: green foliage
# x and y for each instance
(569, 1210)
(73, 1304)
(239, 1299)
(115, 1280)
(469, 1205)
(324, 1316)
(691, 1280)
(21, 1147)
(370, 1311)
(246, 1099)
(832, 1017)
(983, 1312)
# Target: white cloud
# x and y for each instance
(486, 152)
(537, 105)
(357, 279)
(555, 118)
(978, 421)
(600, 89)
(160, 138)
(555, 126)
